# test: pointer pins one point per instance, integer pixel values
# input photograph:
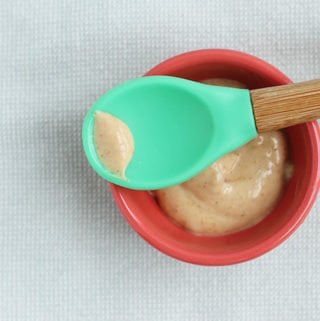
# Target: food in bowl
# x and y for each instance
(234, 193)
(146, 217)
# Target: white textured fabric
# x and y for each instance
(65, 251)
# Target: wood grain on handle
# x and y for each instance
(284, 106)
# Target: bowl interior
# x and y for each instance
(143, 213)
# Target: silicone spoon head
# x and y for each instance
(179, 128)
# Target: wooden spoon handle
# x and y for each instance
(284, 106)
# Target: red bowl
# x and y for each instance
(145, 216)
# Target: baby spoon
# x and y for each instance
(180, 126)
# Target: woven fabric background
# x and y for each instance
(65, 251)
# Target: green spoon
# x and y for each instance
(179, 128)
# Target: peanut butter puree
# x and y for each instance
(235, 192)
(114, 142)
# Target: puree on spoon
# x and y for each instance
(234, 193)
(114, 142)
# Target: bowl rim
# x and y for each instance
(120, 194)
